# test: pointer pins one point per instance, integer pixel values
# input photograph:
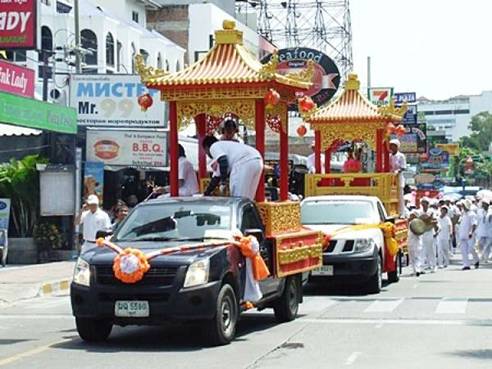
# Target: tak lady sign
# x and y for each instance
(326, 74)
(16, 80)
(18, 24)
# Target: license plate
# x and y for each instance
(132, 309)
(323, 270)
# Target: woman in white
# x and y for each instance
(443, 236)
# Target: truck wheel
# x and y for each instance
(375, 283)
(287, 306)
(93, 330)
(394, 277)
(222, 328)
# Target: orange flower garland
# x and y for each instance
(130, 265)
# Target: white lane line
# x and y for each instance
(395, 321)
(452, 306)
(32, 352)
(352, 358)
(383, 306)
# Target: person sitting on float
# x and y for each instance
(353, 164)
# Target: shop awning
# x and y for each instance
(8, 130)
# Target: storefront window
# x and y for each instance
(45, 52)
(88, 41)
(109, 50)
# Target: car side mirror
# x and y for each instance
(390, 219)
(257, 232)
(103, 233)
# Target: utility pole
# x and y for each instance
(368, 72)
(77, 36)
(44, 54)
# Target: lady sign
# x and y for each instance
(18, 24)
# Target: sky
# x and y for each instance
(437, 48)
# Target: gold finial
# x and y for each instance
(145, 71)
(392, 111)
(229, 34)
(352, 82)
(269, 69)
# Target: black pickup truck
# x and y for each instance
(205, 286)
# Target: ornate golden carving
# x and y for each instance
(392, 111)
(269, 70)
(305, 75)
(352, 82)
(300, 253)
(229, 34)
(244, 109)
(280, 216)
(146, 72)
(345, 131)
(191, 95)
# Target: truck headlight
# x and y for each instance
(363, 245)
(82, 273)
(197, 273)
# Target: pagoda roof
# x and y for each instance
(228, 62)
(352, 106)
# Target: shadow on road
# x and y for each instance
(12, 341)
(484, 354)
(337, 288)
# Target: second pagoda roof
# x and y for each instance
(228, 62)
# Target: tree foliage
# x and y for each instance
(481, 136)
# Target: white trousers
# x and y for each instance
(252, 291)
(429, 250)
(414, 255)
(486, 243)
(442, 251)
(467, 246)
(245, 178)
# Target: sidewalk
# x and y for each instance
(24, 282)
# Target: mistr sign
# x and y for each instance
(18, 24)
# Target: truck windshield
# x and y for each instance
(337, 212)
(176, 222)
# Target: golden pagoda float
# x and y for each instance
(229, 81)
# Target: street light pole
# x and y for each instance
(77, 36)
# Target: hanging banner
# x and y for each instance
(16, 80)
(4, 213)
(438, 160)
(411, 114)
(110, 100)
(326, 77)
(94, 179)
(452, 148)
(18, 24)
(414, 141)
(127, 148)
(380, 95)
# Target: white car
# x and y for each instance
(353, 252)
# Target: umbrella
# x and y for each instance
(484, 194)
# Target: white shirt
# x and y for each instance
(488, 221)
(445, 228)
(311, 163)
(468, 220)
(398, 162)
(188, 175)
(235, 152)
(428, 212)
(94, 222)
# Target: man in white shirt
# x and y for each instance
(414, 242)
(428, 256)
(188, 182)
(483, 230)
(311, 161)
(466, 235)
(93, 219)
(443, 236)
(243, 162)
(398, 163)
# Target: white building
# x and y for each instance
(112, 32)
(454, 115)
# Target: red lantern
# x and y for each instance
(306, 104)
(272, 98)
(390, 128)
(301, 130)
(145, 101)
(400, 130)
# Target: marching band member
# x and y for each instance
(428, 245)
(244, 163)
(443, 236)
(484, 230)
(414, 242)
(398, 164)
(466, 235)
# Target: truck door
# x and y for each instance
(250, 220)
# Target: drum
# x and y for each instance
(418, 226)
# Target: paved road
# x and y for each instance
(441, 320)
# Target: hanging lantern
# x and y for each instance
(400, 130)
(301, 130)
(272, 98)
(390, 128)
(306, 104)
(145, 101)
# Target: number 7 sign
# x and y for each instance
(380, 95)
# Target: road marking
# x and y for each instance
(383, 306)
(352, 358)
(478, 322)
(35, 317)
(452, 306)
(32, 352)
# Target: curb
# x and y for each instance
(50, 288)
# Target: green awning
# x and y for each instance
(25, 112)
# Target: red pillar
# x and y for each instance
(386, 167)
(328, 161)
(379, 150)
(200, 121)
(260, 144)
(284, 160)
(173, 149)
(317, 152)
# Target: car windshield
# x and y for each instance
(337, 212)
(176, 222)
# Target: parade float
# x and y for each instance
(230, 82)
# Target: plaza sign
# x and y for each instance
(18, 24)
(25, 112)
(405, 97)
